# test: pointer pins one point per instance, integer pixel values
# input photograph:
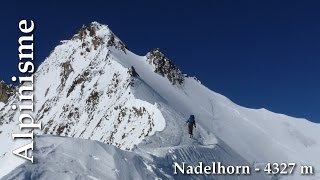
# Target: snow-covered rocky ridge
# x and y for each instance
(92, 87)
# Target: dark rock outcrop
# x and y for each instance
(96, 40)
(6, 91)
(132, 71)
(165, 67)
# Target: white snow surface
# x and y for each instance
(57, 158)
(83, 90)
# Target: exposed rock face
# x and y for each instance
(132, 71)
(165, 67)
(89, 37)
(5, 91)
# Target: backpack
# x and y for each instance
(191, 119)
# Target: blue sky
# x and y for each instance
(260, 54)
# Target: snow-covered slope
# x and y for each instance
(58, 159)
(92, 87)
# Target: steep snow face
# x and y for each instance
(257, 135)
(81, 91)
(92, 87)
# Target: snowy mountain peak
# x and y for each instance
(163, 66)
(86, 90)
(96, 35)
(97, 25)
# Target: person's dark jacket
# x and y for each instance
(191, 121)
